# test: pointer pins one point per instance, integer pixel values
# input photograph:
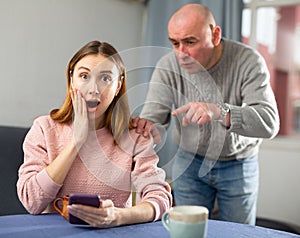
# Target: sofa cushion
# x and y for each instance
(11, 157)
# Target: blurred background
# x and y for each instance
(38, 38)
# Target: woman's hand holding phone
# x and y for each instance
(100, 216)
(92, 200)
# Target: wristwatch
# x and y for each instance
(224, 110)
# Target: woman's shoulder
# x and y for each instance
(44, 121)
(137, 137)
(135, 141)
(47, 124)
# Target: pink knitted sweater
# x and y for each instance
(101, 167)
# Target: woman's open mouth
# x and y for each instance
(92, 104)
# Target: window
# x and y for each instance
(273, 28)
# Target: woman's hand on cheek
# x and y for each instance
(80, 121)
(102, 217)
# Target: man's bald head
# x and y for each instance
(196, 12)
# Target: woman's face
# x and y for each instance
(97, 79)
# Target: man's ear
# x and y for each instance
(217, 35)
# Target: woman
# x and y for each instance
(89, 146)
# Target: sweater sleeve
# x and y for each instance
(35, 188)
(160, 96)
(148, 179)
(258, 115)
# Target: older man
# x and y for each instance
(224, 106)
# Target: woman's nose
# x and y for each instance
(93, 88)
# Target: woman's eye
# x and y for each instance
(84, 76)
(106, 78)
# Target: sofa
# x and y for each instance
(11, 157)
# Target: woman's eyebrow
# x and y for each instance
(101, 71)
(85, 68)
(106, 72)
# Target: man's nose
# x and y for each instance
(182, 51)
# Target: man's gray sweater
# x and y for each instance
(240, 79)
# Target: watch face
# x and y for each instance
(224, 109)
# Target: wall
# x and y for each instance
(38, 38)
(279, 193)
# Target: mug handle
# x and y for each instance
(57, 207)
(165, 220)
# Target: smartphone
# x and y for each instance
(84, 199)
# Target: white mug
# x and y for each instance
(186, 221)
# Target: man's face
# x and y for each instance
(193, 44)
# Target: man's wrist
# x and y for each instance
(224, 110)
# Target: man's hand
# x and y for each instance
(145, 128)
(198, 112)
